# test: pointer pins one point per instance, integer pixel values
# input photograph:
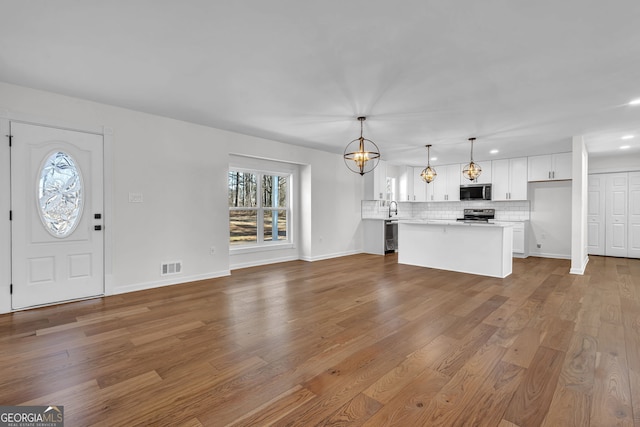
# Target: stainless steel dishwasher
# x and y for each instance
(390, 236)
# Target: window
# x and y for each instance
(259, 208)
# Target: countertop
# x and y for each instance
(445, 222)
(456, 223)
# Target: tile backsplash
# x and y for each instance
(506, 211)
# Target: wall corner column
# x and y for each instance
(579, 194)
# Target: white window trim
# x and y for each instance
(262, 245)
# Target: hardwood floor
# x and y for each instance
(359, 341)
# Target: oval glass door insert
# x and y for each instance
(60, 194)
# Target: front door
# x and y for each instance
(56, 204)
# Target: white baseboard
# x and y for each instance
(580, 270)
(329, 256)
(548, 255)
(236, 266)
(167, 282)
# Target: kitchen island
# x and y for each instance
(480, 248)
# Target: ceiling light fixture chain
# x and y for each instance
(361, 155)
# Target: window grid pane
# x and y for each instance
(243, 226)
(243, 189)
(275, 191)
(279, 217)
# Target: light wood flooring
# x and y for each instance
(353, 341)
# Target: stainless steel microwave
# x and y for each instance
(475, 192)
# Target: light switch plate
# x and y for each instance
(135, 198)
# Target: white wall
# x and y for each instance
(623, 162)
(550, 219)
(181, 170)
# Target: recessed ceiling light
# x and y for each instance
(625, 147)
(494, 151)
(433, 159)
(627, 137)
(635, 102)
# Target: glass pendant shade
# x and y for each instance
(428, 174)
(473, 170)
(361, 155)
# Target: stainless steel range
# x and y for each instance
(478, 215)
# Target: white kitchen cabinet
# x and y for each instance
(405, 184)
(509, 179)
(375, 184)
(520, 240)
(373, 236)
(550, 167)
(484, 178)
(419, 186)
(446, 186)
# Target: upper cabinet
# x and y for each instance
(405, 184)
(446, 186)
(484, 178)
(509, 179)
(550, 167)
(375, 183)
(419, 186)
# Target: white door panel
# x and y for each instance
(634, 241)
(616, 215)
(50, 261)
(593, 236)
(633, 250)
(593, 205)
(596, 215)
(619, 203)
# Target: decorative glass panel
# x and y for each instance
(60, 194)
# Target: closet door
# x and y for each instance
(634, 215)
(616, 215)
(596, 215)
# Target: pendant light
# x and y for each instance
(361, 155)
(473, 170)
(428, 174)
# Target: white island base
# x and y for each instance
(484, 249)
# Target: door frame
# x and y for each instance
(5, 196)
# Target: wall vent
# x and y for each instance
(174, 267)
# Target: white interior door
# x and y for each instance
(596, 215)
(634, 215)
(616, 215)
(56, 204)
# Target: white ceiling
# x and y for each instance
(521, 76)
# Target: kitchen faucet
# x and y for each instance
(395, 208)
